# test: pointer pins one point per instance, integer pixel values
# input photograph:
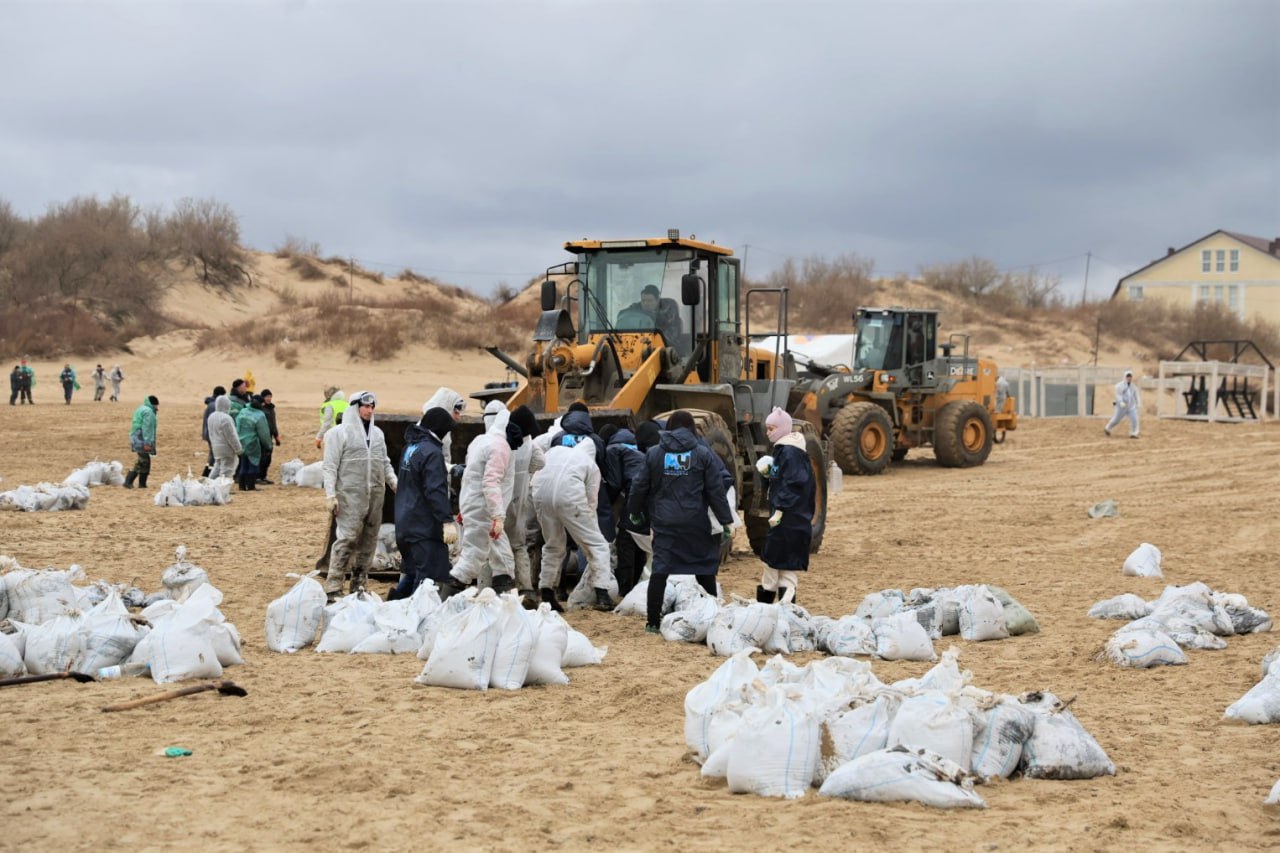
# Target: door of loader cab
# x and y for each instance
(726, 355)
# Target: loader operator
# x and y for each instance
(664, 313)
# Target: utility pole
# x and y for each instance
(351, 280)
(1084, 297)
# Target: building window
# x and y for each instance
(1233, 297)
(1205, 257)
(1235, 260)
(1222, 259)
(1204, 293)
(1135, 293)
(1217, 294)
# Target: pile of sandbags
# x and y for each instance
(780, 729)
(1262, 703)
(1182, 617)
(194, 491)
(308, 476)
(189, 638)
(97, 473)
(289, 472)
(45, 497)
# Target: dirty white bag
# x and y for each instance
(690, 623)
(851, 635)
(982, 616)
(517, 639)
(289, 472)
(395, 630)
(463, 653)
(1144, 562)
(855, 733)
(775, 750)
(53, 645)
(1273, 799)
(1125, 606)
(11, 663)
(933, 721)
(739, 627)
(181, 646)
(549, 648)
(901, 637)
(348, 621)
(1059, 747)
(578, 651)
(635, 602)
(38, 595)
(183, 578)
(725, 684)
(1017, 618)
(107, 635)
(878, 605)
(311, 476)
(294, 619)
(1260, 705)
(998, 735)
(901, 775)
(1143, 649)
(1271, 660)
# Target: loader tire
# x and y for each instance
(862, 439)
(962, 435)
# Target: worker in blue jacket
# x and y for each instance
(792, 492)
(424, 521)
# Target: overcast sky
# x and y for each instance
(469, 140)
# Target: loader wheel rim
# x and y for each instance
(973, 436)
(873, 442)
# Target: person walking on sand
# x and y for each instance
(117, 376)
(28, 382)
(791, 497)
(1127, 403)
(99, 383)
(357, 474)
(15, 385)
(69, 383)
(142, 441)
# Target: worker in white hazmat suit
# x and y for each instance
(487, 484)
(527, 459)
(1127, 404)
(356, 474)
(224, 441)
(565, 492)
(453, 403)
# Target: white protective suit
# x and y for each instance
(356, 472)
(447, 399)
(527, 460)
(487, 484)
(224, 441)
(565, 493)
(1127, 404)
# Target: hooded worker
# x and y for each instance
(255, 438)
(224, 440)
(142, 440)
(357, 473)
(1127, 403)
(527, 459)
(424, 521)
(116, 377)
(453, 403)
(331, 412)
(623, 460)
(565, 492)
(791, 498)
(487, 484)
(576, 427)
(679, 482)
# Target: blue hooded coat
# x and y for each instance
(791, 490)
(680, 480)
(422, 495)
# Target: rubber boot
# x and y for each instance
(449, 588)
(503, 583)
(358, 579)
(129, 478)
(764, 596)
(604, 603)
(549, 597)
(529, 599)
(142, 480)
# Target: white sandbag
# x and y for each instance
(517, 639)
(38, 595)
(294, 619)
(901, 637)
(1271, 660)
(1273, 799)
(311, 476)
(96, 473)
(11, 663)
(855, 733)
(583, 595)
(1144, 562)
(690, 623)
(463, 653)
(1017, 618)
(947, 603)
(578, 651)
(395, 630)
(739, 627)
(45, 497)
(801, 634)
(635, 602)
(347, 622)
(933, 721)
(998, 735)
(194, 491)
(700, 702)
(982, 616)
(850, 635)
(182, 644)
(429, 627)
(1260, 705)
(1059, 747)
(107, 636)
(1139, 649)
(4, 596)
(945, 676)
(776, 748)
(1125, 606)
(878, 605)
(183, 578)
(289, 472)
(53, 645)
(226, 643)
(1244, 619)
(548, 650)
(900, 775)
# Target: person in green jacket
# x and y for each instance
(255, 435)
(142, 440)
(68, 379)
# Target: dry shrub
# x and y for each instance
(1164, 329)
(50, 329)
(293, 247)
(306, 267)
(409, 275)
(824, 294)
(287, 354)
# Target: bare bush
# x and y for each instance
(294, 246)
(307, 268)
(207, 232)
(824, 294)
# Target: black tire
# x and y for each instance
(862, 439)
(962, 434)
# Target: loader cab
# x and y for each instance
(674, 292)
(895, 339)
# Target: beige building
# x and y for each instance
(1231, 269)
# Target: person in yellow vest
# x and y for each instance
(249, 383)
(335, 403)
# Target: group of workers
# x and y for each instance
(22, 379)
(610, 496)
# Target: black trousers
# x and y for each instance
(658, 588)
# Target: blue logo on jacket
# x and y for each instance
(676, 464)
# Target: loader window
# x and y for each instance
(873, 342)
(638, 291)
